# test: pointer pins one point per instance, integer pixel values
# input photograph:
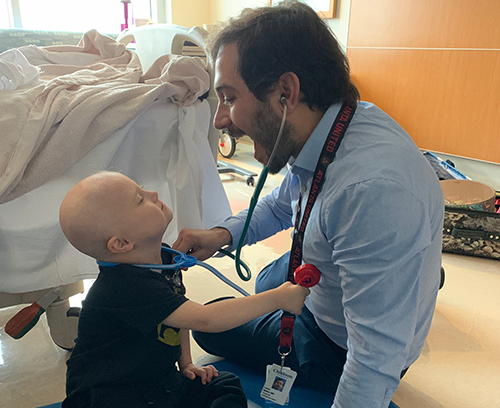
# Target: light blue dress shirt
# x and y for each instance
(375, 234)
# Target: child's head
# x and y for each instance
(107, 216)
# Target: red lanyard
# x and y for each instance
(330, 147)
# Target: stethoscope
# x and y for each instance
(255, 198)
(303, 276)
(181, 260)
(306, 275)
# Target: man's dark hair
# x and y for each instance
(289, 38)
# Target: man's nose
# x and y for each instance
(221, 118)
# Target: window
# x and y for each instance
(106, 16)
(4, 14)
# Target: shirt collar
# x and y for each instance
(309, 155)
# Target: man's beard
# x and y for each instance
(265, 133)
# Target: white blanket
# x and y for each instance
(85, 93)
(15, 70)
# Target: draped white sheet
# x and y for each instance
(164, 149)
(93, 109)
(85, 93)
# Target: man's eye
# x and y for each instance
(228, 101)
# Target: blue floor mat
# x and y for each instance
(252, 384)
(299, 396)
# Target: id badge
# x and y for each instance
(279, 381)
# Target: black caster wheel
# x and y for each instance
(227, 145)
(74, 312)
(250, 181)
(441, 283)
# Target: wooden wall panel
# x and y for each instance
(425, 23)
(448, 101)
(433, 65)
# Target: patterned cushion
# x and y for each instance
(14, 38)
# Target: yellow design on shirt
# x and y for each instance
(168, 335)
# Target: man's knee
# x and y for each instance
(273, 275)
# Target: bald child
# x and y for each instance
(133, 346)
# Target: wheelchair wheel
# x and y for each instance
(227, 145)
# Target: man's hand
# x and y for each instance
(202, 244)
(206, 373)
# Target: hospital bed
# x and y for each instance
(168, 147)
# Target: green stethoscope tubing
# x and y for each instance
(246, 277)
(253, 203)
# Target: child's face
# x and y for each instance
(141, 213)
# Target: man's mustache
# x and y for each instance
(236, 132)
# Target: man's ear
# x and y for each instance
(118, 245)
(289, 87)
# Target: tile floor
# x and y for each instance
(459, 366)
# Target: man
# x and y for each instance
(374, 230)
(278, 384)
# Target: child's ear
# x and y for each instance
(118, 245)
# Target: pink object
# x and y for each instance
(127, 12)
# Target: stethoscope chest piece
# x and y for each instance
(307, 275)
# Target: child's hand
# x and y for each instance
(206, 373)
(292, 297)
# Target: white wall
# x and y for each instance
(221, 10)
(340, 24)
